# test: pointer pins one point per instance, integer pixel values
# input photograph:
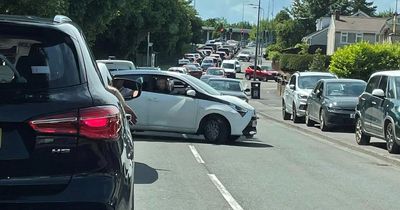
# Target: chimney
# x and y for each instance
(337, 15)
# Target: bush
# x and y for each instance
(274, 56)
(292, 62)
(362, 59)
(319, 61)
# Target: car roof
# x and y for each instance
(394, 73)
(114, 61)
(343, 80)
(229, 61)
(314, 74)
(225, 79)
(166, 73)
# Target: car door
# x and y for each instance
(377, 108)
(312, 100)
(366, 103)
(171, 109)
(140, 105)
(319, 98)
(289, 93)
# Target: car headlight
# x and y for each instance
(242, 111)
(332, 107)
(302, 96)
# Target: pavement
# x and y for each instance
(286, 166)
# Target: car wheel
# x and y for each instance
(233, 138)
(285, 114)
(295, 118)
(247, 76)
(249, 136)
(309, 122)
(322, 119)
(391, 143)
(361, 138)
(216, 130)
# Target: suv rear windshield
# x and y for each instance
(36, 59)
(228, 66)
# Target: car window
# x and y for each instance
(44, 61)
(317, 87)
(397, 86)
(222, 85)
(293, 80)
(228, 65)
(383, 83)
(142, 79)
(372, 84)
(391, 88)
(308, 82)
(215, 72)
(345, 89)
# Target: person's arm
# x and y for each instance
(127, 109)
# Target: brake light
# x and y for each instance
(102, 122)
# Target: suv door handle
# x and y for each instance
(373, 102)
(363, 99)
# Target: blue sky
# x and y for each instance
(232, 9)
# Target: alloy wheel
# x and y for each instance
(212, 130)
(389, 137)
(358, 131)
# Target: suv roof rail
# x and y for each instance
(61, 19)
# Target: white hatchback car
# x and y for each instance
(172, 102)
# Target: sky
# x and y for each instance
(232, 10)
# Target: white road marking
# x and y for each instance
(228, 197)
(196, 154)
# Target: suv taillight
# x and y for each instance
(101, 122)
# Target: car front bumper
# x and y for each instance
(251, 128)
(340, 118)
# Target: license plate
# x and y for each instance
(254, 123)
(352, 116)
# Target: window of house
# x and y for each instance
(344, 37)
(359, 37)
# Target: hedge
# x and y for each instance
(362, 59)
(293, 62)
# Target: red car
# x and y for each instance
(194, 71)
(263, 73)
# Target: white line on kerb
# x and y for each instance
(228, 197)
(196, 154)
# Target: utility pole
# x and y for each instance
(257, 40)
(241, 35)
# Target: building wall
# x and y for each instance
(351, 39)
(319, 39)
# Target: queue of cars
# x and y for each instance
(372, 108)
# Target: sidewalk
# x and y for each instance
(343, 138)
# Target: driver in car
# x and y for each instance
(162, 85)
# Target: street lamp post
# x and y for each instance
(257, 40)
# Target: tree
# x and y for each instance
(362, 5)
(385, 14)
(318, 62)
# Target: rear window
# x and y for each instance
(36, 59)
(228, 66)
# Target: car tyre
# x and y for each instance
(233, 138)
(216, 130)
(390, 137)
(309, 122)
(295, 118)
(361, 137)
(285, 114)
(247, 77)
(322, 118)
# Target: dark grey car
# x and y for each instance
(333, 102)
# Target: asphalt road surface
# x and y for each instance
(281, 168)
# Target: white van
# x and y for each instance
(118, 65)
(230, 68)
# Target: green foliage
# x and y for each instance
(292, 62)
(362, 59)
(274, 56)
(385, 14)
(319, 61)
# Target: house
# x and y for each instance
(344, 30)
(390, 32)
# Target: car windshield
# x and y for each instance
(119, 66)
(228, 65)
(308, 82)
(202, 85)
(215, 72)
(345, 89)
(225, 85)
(208, 61)
(268, 68)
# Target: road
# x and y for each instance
(281, 168)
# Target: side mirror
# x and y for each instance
(191, 93)
(129, 89)
(247, 90)
(378, 93)
(292, 87)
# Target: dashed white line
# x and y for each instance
(228, 197)
(196, 154)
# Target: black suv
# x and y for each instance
(65, 141)
(378, 110)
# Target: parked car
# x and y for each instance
(271, 73)
(230, 87)
(193, 70)
(181, 70)
(294, 100)
(230, 68)
(377, 112)
(213, 72)
(118, 65)
(244, 56)
(333, 102)
(64, 138)
(202, 109)
(207, 63)
(261, 74)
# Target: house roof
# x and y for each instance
(314, 34)
(364, 24)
